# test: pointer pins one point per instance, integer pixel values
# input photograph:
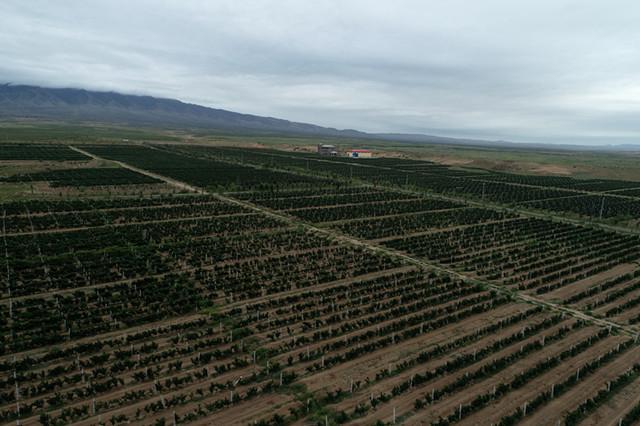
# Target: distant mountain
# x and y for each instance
(21, 101)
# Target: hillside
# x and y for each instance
(21, 101)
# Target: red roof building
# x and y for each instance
(359, 153)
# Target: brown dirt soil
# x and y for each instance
(262, 407)
(388, 383)
(609, 413)
(625, 316)
(370, 364)
(556, 409)
(568, 291)
(445, 406)
(583, 304)
(454, 161)
(513, 400)
(552, 169)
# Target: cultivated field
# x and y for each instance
(162, 284)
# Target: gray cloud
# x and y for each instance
(549, 70)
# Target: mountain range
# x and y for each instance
(79, 105)
(22, 101)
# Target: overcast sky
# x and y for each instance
(543, 70)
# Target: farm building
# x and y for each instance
(359, 153)
(328, 150)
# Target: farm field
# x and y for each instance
(57, 171)
(181, 284)
(614, 202)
